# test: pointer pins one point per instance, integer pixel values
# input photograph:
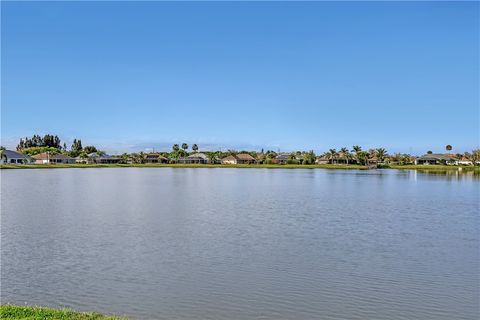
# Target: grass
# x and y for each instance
(11, 312)
(430, 168)
(475, 169)
(158, 165)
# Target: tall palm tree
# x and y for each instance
(331, 155)
(363, 157)
(184, 146)
(3, 156)
(195, 147)
(344, 153)
(357, 149)
(448, 147)
(381, 153)
(175, 147)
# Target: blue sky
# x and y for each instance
(277, 75)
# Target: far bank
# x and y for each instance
(432, 168)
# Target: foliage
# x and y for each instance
(36, 150)
(89, 149)
(476, 156)
(47, 140)
(11, 312)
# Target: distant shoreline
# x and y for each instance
(476, 169)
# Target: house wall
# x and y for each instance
(229, 161)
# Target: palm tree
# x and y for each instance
(2, 154)
(363, 157)
(195, 147)
(357, 149)
(448, 147)
(381, 153)
(344, 153)
(184, 146)
(476, 156)
(331, 155)
(175, 147)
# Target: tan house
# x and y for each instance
(155, 158)
(47, 158)
(241, 158)
(322, 160)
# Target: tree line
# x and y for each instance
(53, 144)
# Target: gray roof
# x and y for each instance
(436, 156)
(282, 157)
(199, 155)
(10, 154)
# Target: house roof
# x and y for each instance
(244, 156)
(437, 156)
(282, 157)
(155, 156)
(10, 154)
(46, 155)
(198, 155)
(229, 158)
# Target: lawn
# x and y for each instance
(158, 165)
(430, 168)
(40, 313)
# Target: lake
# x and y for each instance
(177, 243)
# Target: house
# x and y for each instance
(48, 158)
(94, 157)
(322, 160)
(81, 160)
(464, 161)
(155, 158)
(13, 157)
(436, 158)
(241, 158)
(198, 157)
(282, 159)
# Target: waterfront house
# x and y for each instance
(155, 158)
(282, 159)
(464, 161)
(197, 158)
(94, 157)
(13, 157)
(48, 158)
(322, 160)
(436, 158)
(241, 158)
(81, 160)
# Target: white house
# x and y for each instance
(47, 158)
(13, 157)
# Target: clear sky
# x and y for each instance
(279, 75)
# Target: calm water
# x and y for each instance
(242, 243)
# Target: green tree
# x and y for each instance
(185, 147)
(175, 147)
(476, 156)
(3, 156)
(448, 147)
(429, 152)
(77, 145)
(363, 157)
(195, 147)
(331, 155)
(344, 153)
(381, 153)
(89, 149)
